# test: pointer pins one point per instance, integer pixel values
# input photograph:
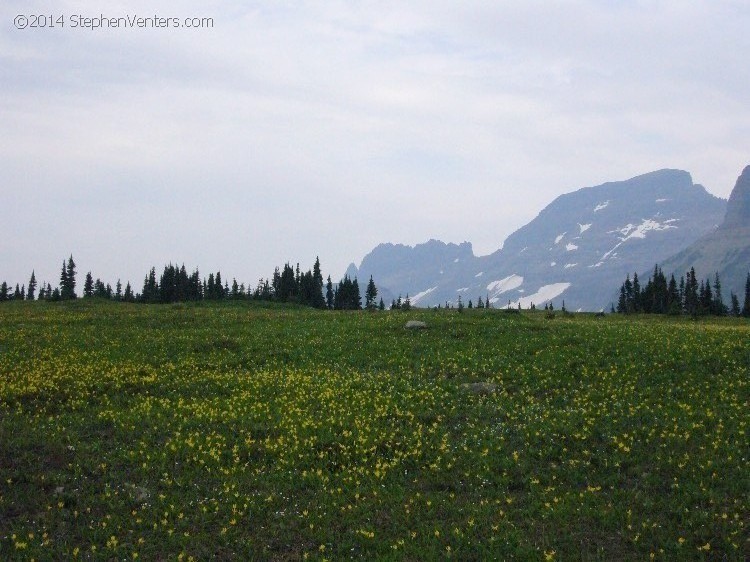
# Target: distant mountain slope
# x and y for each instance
(578, 248)
(725, 250)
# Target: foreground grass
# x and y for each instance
(232, 431)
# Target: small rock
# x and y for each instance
(480, 388)
(415, 325)
(59, 491)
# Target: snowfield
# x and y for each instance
(506, 284)
(415, 298)
(545, 294)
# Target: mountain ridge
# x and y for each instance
(578, 248)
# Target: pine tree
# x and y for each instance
(460, 304)
(17, 296)
(746, 305)
(32, 287)
(406, 305)
(118, 291)
(381, 306)
(4, 296)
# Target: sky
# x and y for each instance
(281, 131)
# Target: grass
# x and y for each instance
(233, 431)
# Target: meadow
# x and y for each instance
(238, 431)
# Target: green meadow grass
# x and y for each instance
(234, 431)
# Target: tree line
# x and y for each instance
(688, 296)
(175, 284)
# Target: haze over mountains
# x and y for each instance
(579, 248)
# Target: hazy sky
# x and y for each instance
(295, 129)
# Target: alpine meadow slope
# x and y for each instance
(578, 249)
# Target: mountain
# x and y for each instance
(578, 249)
(725, 250)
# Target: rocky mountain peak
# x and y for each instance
(738, 207)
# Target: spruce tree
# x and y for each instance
(4, 296)
(381, 306)
(318, 300)
(746, 305)
(329, 294)
(371, 294)
(88, 286)
(32, 287)
(71, 275)
(63, 282)
(719, 308)
(735, 306)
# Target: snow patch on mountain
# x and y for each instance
(584, 227)
(631, 231)
(479, 274)
(545, 294)
(462, 290)
(639, 231)
(415, 298)
(570, 247)
(506, 284)
(559, 237)
(553, 264)
(661, 200)
(569, 265)
(601, 206)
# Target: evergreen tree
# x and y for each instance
(746, 305)
(636, 299)
(88, 286)
(480, 303)
(128, 295)
(381, 306)
(63, 281)
(17, 296)
(371, 294)
(691, 293)
(71, 278)
(32, 287)
(118, 291)
(318, 300)
(406, 305)
(356, 295)
(735, 306)
(718, 306)
(218, 287)
(4, 296)
(460, 304)
(622, 302)
(470, 305)
(674, 305)
(329, 294)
